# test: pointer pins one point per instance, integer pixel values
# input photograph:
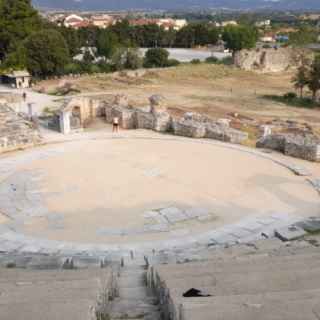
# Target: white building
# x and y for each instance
(176, 24)
(229, 23)
(72, 20)
(17, 79)
(264, 23)
(267, 39)
(102, 21)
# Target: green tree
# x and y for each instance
(18, 20)
(186, 37)
(314, 78)
(305, 35)
(46, 53)
(88, 36)
(240, 37)
(126, 58)
(107, 43)
(123, 30)
(156, 57)
(72, 39)
(300, 80)
(133, 59)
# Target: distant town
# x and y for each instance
(274, 27)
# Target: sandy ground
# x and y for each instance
(113, 183)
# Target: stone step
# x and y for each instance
(248, 283)
(51, 295)
(15, 275)
(296, 310)
(264, 263)
(122, 310)
(134, 293)
(130, 281)
(272, 304)
(48, 310)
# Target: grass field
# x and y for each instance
(215, 90)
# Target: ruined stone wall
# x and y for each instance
(89, 108)
(157, 118)
(15, 131)
(271, 60)
(305, 147)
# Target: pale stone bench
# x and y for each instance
(53, 295)
(264, 309)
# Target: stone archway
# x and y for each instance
(75, 118)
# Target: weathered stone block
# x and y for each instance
(290, 233)
(108, 113)
(223, 133)
(189, 128)
(310, 225)
(274, 142)
(162, 121)
(145, 120)
(127, 117)
(194, 116)
(303, 147)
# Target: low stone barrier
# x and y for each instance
(274, 142)
(189, 128)
(224, 133)
(305, 147)
(162, 121)
(193, 125)
(145, 120)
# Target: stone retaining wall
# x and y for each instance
(270, 60)
(305, 147)
(157, 118)
(15, 131)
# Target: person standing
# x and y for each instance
(115, 124)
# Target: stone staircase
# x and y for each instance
(265, 279)
(134, 299)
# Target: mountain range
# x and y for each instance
(306, 5)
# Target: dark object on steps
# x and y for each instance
(195, 293)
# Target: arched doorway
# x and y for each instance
(75, 118)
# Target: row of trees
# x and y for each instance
(308, 75)
(27, 41)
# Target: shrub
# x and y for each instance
(212, 59)
(156, 57)
(290, 96)
(72, 68)
(173, 63)
(104, 67)
(228, 61)
(195, 61)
